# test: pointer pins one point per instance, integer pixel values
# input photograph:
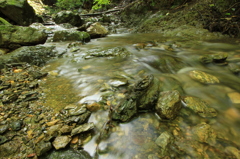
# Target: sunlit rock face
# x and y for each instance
(19, 12)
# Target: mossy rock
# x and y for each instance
(71, 35)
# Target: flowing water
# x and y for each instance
(80, 78)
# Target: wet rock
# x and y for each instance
(96, 30)
(79, 119)
(13, 37)
(3, 128)
(68, 17)
(61, 142)
(53, 131)
(43, 147)
(204, 133)
(71, 35)
(234, 68)
(234, 97)
(67, 154)
(220, 57)
(199, 106)
(164, 140)
(65, 129)
(35, 55)
(16, 125)
(206, 59)
(125, 110)
(20, 12)
(168, 104)
(203, 77)
(110, 53)
(82, 128)
(149, 96)
(93, 106)
(74, 110)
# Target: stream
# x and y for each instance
(101, 73)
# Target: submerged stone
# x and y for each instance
(199, 106)
(168, 104)
(163, 140)
(203, 77)
(204, 133)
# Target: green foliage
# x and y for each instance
(69, 4)
(74, 4)
(100, 3)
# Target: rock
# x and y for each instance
(93, 106)
(36, 55)
(168, 104)
(16, 125)
(61, 142)
(76, 110)
(206, 59)
(203, 77)
(219, 57)
(82, 128)
(199, 106)
(204, 133)
(96, 30)
(43, 147)
(65, 129)
(67, 154)
(164, 140)
(110, 53)
(68, 17)
(71, 35)
(13, 37)
(125, 110)
(149, 97)
(80, 118)
(234, 97)
(234, 68)
(3, 128)
(53, 131)
(19, 11)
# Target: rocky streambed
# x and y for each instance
(122, 96)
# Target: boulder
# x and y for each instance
(199, 106)
(203, 77)
(19, 11)
(169, 104)
(68, 17)
(13, 37)
(96, 30)
(36, 55)
(71, 35)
